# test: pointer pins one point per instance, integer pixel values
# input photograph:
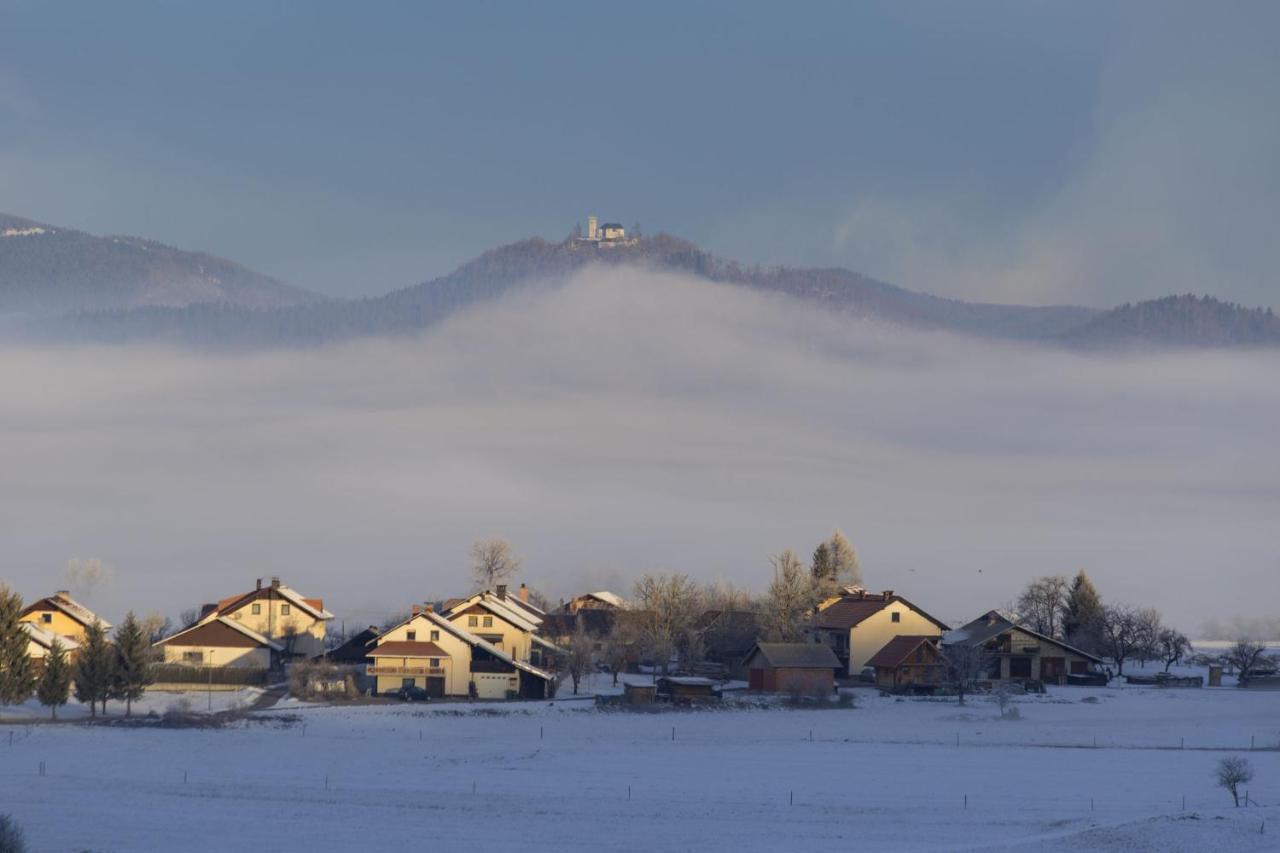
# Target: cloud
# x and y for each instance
(628, 422)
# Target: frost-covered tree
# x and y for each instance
(1234, 771)
(790, 601)
(133, 670)
(493, 561)
(1244, 657)
(54, 686)
(17, 678)
(95, 666)
(667, 609)
(835, 564)
(963, 664)
(579, 657)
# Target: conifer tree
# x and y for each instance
(17, 679)
(94, 668)
(1082, 616)
(133, 670)
(54, 687)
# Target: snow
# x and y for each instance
(157, 701)
(891, 775)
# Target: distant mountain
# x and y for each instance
(47, 270)
(302, 321)
(1184, 321)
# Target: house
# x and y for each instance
(807, 668)
(433, 652)
(858, 624)
(280, 614)
(505, 622)
(600, 600)
(221, 642)
(907, 663)
(63, 616)
(355, 650)
(40, 644)
(683, 689)
(1018, 653)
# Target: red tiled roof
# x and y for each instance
(408, 649)
(897, 650)
(848, 612)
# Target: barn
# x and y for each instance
(807, 668)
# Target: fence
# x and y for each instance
(196, 676)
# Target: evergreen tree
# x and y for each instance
(1082, 616)
(94, 668)
(133, 670)
(54, 686)
(17, 679)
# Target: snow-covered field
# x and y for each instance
(887, 775)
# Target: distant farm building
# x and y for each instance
(907, 664)
(805, 668)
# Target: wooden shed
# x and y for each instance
(686, 688)
(807, 668)
(907, 663)
(639, 694)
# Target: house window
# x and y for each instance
(193, 657)
(435, 662)
(488, 621)
(257, 610)
(284, 610)
(46, 618)
(411, 635)
(1019, 667)
(895, 616)
(472, 621)
(435, 635)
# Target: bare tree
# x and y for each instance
(619, 648)
(578, 658)
(1120, 632)
(791, 599)
(1042, 603)
(1173, 645)
(492, 562)
(1234, 771)
(189, 617)
(1148, 623)
(1243, 657)
(963, 664)
(667, 608)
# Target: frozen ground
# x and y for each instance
(887, 775)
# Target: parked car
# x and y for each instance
(410, 693)
(868, 675)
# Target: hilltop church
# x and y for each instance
(608, 235)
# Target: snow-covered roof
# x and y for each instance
(498, 607)
(68, 605)
(48, 638)
(471, 639)
(609, 598)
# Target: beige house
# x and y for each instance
(280, 614)
(857, 625)
(436, 654)
(1017, 653)
(220, 642)
(63, 616)
(505, 622)
(40, 644)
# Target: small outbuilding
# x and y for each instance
(683, 689)
(907, 664)
(639, 694)
(807, 668)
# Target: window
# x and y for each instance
(488, 621)
(1019, 667)
(46, 618)
(895, 616)
(435, 662)
(257, 610)
(472, 621)
(284, 610)
(435, 635)
(411, 635)
(193, 657)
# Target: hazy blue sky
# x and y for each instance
(1021, 151)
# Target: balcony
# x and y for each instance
(378, 669)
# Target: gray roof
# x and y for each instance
(994, 623)
(796, 655)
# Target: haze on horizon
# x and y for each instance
(1084, 153)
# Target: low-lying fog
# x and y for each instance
(630, 422)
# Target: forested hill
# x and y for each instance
(48, 270)
(535, 262)
(1186, 321)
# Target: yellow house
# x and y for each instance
(433, 653)
(40, 644)
(278, 613)
(859, 624)
(63, 616)
(220, 642)
(496, 621)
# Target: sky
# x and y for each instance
(628, 422)
(1085, 153)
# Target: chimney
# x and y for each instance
(415, 609)
(524, 593)
(259, 586)
(888, 594)
(275, 583)
(502, 591)
(428, 608)
(64, 594)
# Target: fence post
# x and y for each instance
(793, 798)
(1091, 804)
(628, 793)
(966, 802)
(1184, 802)
(540, 733)
(673, 732)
